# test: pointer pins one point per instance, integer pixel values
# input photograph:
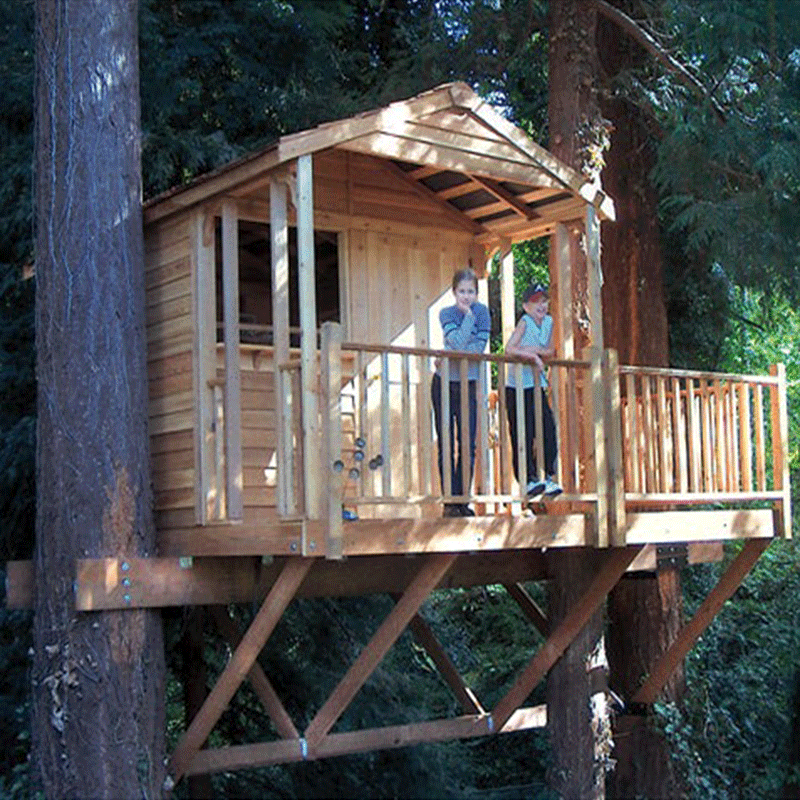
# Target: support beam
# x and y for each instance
(426, 637)
(337, 744)
(529, 607)
(429, 575)
(691, 632)
(258, 680)
(614, 564)
(239, 665)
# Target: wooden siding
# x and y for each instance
(170, 326)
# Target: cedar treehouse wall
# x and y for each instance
(398, 251)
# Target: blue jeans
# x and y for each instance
(459, 482)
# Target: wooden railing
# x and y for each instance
(629, 438)
(698, 437)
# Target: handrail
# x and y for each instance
(629, 437)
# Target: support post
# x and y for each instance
(279, 236)
(233, 389)
(205, 360)
(780, 447)
(308, 340)
(333, 466)
(614, 460)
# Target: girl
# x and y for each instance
(465, 327)
(532, 340)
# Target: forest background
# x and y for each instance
(220, 78)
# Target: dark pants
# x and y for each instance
(459, 483)
(549, 423)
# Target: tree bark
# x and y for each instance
(98, 677)
(644, 612)
(576, 128)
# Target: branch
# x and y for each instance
(648, 43)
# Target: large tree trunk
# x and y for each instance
(577, 764)
(645, 612)
(98, 677)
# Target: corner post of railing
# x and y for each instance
(598, 426)
(780, 450)
(613, 426)
(332, 464)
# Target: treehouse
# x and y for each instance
(292, 318)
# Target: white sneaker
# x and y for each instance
(551, 488)
(536, 488)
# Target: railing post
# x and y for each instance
(780, 447)
(332, 477)
(598, 409)
(616, 474)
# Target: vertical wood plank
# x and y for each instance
(405, 404)
(598, 416)
(333, 465)
(233, 386)
(279, 248)
(538, 413)
(204, 288)
(648, 436)
(633, 450)
(758, 428)
(719, 429)
(780, 445)
(693, 436)
(424, 420)
(308, 337)
(386, 427)
(445, 441)
(679, 438)
(595, 276)
(705, 415)
(662, 422)
(522, 440)
(613, 426)
(464, 443)
(746, 443)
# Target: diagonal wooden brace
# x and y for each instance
(615, 562)
(430, 574)
(529, 606)
(258, 680)
(691, 632)
(241, 662)
(427, 638)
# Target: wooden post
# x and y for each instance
(780, 446)
(205, 361)
(598, 417)
(308, 340)
(233, 388)
(613, 426)
(332, 466)
(594, 272)
(507, 321)
(279, 234)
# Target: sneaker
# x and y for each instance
(348, 515)
(451, 510)
(466, 511)
(551, 488)
(536, 488)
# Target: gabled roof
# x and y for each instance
(449, 145)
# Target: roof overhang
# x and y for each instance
(449, 145)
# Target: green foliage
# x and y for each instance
(732, 733)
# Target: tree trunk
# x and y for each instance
(577, 766)
(644, 613)
(98, 677)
